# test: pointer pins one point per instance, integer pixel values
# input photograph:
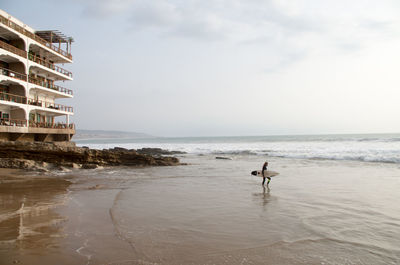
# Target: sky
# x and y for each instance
(228, 67)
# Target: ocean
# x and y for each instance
(335, 201)
(359, 147)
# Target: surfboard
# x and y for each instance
(267, 173)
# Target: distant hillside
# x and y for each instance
(101, 134)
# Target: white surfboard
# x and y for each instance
(267, 173)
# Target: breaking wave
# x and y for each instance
(376, 148)
(235, 152)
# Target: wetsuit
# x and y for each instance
(262, 172)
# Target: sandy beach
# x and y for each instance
(207, 212)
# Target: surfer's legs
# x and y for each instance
(269, 180)
(264, 181)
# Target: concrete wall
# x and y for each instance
(31, 137)
(3, 136)
(41, 96)
(17, 90)
(46, 98)
(19, 43)
(18, 114)
(4, 108)
(17, 67)
(26, 137)
(17, 137)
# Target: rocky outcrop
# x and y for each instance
(66, 154)
(24, 164)
(158, 152)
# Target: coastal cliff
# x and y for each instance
(41, 155)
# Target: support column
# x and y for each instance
(27, 116)
(67, 129)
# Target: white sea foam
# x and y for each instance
(371, 148)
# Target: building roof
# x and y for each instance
(54, 36)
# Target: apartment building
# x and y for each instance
(32, 79)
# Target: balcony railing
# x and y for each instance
(31, 35)
(10, 48)
(13, 122)
(50, 65)
(12, 98)
(40, 103)
(35, 81)
(13, 74)
(50, 105)
(24, 123)
(50, 85)
(48, 125)
(36, 59)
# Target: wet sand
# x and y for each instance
(29, 223)
(208, 212)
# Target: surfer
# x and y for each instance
(264, 168)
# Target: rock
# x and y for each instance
(116, 149)
(89, 166)
(224, 158)
(23, 164)
(158, 151)
(63, 169)
(41, 155)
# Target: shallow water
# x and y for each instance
(314, 212)
(214, 212)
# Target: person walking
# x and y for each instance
(264, 168)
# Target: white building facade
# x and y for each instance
(31, 81)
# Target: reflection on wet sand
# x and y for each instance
(265, 195)
(27, 217)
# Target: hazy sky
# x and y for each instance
(229, 67)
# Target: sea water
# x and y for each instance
(361, 147)
(335, 201)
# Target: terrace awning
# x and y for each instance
(54, 36)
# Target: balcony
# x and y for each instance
(45, 84)
(12, 49)
(13, 122)
(12, 98)
(50, 105)
(40, 103)
(33, 36)
(50, 85)
(7, 125)
(13, 74)
(49, 65)
(47, 125)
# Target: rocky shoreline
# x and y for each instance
(47, 155)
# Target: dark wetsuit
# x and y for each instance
(262, 172)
